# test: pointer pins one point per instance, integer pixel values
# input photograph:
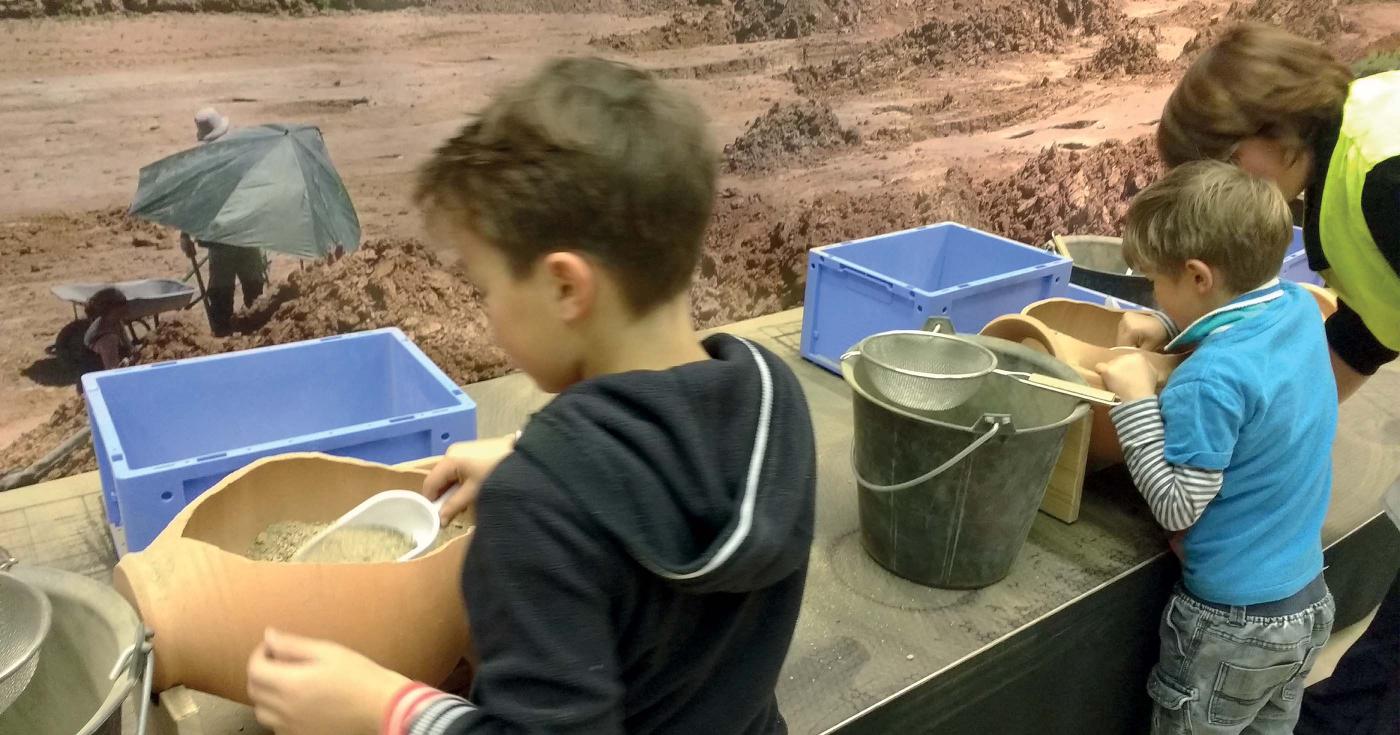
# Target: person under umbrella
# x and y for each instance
(227, 263)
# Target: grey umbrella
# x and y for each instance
(270, 186)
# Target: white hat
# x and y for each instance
(209, 125)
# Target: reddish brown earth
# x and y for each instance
(843, 119)
(788, 133)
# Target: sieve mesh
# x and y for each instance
(26, 615)
(924, 371)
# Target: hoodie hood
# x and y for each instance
(705, 473)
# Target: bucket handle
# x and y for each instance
(138, 660)
(997, 422)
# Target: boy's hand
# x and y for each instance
(465, 464)
(1142, 330)
(304, 686)
(1131, 376)
(186, 245)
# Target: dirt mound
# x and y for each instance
(682, 31)
(756, 250)
(1062, 192)
(788, 133)
(68, 418)
(1129, 52)
(1319, 20)
(767, 20)
(386, 283)
(1024, 27)
(38, 8)
(746, 21)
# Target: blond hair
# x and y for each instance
(1213, 212)
(589, 156)
(1256, 80)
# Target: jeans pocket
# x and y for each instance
(1172, 713)
(1240, 691)
(1295, 687)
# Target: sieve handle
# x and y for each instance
(7, 560)
(935, 472)
(1063, 387)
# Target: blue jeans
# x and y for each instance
(1230, 671)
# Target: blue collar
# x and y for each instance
(1240, 308)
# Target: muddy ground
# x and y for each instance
(839, 119)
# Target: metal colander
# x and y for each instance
(923, 371)
(27, 615)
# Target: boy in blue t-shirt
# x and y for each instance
(1235, 452)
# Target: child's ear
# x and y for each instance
(1203, 277)
(574, 284)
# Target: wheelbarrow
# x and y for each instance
(145, 299)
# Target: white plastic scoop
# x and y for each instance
(404, 511)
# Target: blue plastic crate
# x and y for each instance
(896, 281)
(1295, 262)
(165, 433)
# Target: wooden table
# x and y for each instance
(1065, 639)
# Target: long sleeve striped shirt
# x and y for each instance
(1176, 494)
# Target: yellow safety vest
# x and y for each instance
(1356, 268)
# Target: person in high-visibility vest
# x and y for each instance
(1283, 108)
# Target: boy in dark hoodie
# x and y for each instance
(641, 549)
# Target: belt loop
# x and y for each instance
(1237, 615)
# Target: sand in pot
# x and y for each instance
(350, 545)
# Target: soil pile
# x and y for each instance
(386, 283)
(746, 21)
(1319, 20)
(767, 20)
(1130, 52)
(1031, 26)
(788, 133)
(1069, 192)
(69, 418)
(756, 251)
(37, 8)
(682, 31)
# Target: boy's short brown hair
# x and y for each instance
(1256, 80)
(1212, 212)
(590, 156)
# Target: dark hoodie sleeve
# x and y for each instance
(536, 586)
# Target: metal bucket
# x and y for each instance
(1098, 265)
(76, 689)
(27, 616)
(947, 498)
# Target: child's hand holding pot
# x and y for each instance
(1131, 376)
(305, 686)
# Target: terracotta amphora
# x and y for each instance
(1083, 335)
(209, 605)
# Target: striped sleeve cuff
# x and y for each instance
(437, 715)
(1176, 494)
(1172, 329)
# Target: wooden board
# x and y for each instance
(1066, 489)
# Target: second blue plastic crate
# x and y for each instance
(165, 433)
(896, 281)
(1295, 262)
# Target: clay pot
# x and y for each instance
(1083, 335)
(1326, 298)
(209, 605)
